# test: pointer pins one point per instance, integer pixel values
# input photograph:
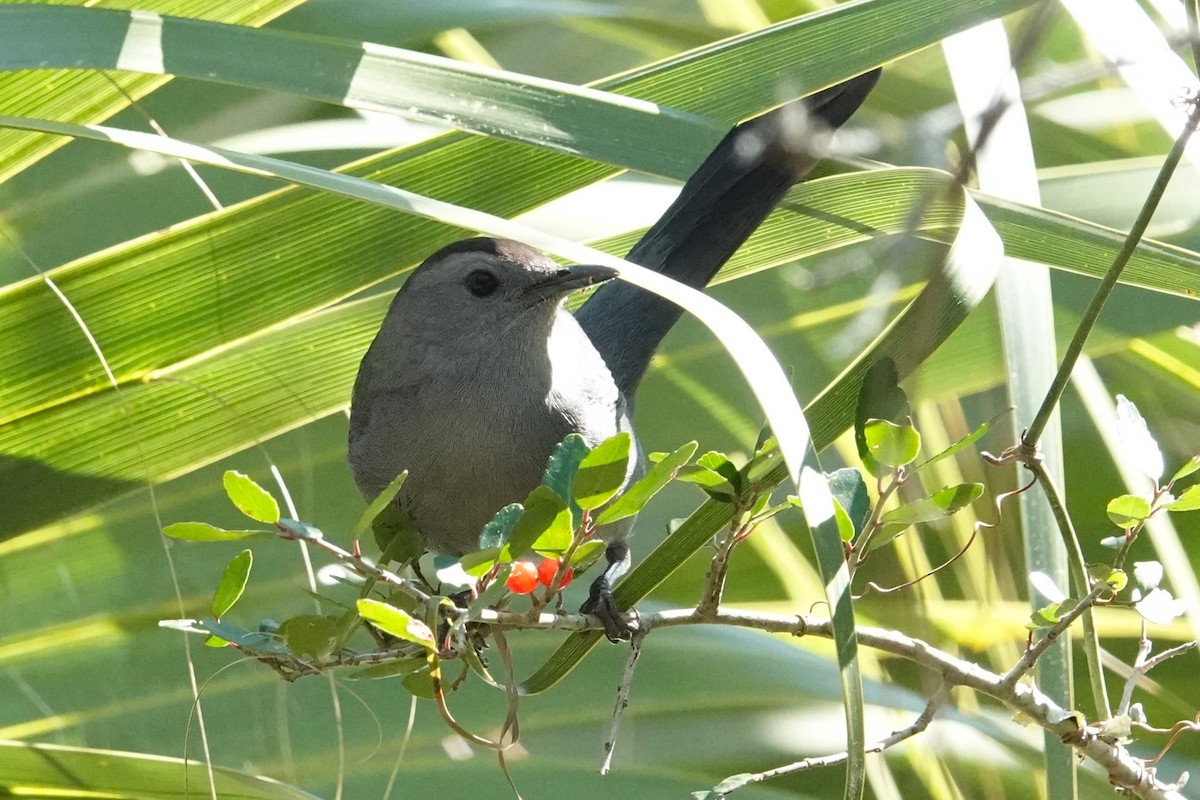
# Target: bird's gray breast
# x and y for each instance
(476, 431)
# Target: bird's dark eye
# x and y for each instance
(481, 283)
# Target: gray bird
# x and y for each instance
(478, 371)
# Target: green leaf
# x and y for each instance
(299, 530)
(1188, 501)
(310, 635)
(396, 622)
(555, 540)
(250, 498)
(1103, 573)
(964, 442)
(716, 485)
(499, 529)
(890, 444)
(635, 498)
(396, 534)
(844, 525)
(545, 513)
(602, 472)
(720, 463)
(56, 771)
(233, 583)
(563, 464)
(203, 532)
(941, 503)
(850, 491)
(1048, 616)
(251, 641)
(1128, 510)
(477, 564)
(420, 684)
(879, 397)
(1188, 468)
(1138, 445)
(390, 669)
(1148, 575)
(376, 506)
(587, 554)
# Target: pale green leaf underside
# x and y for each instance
(73, 95)
(45, 770)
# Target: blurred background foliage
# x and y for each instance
(85, 576)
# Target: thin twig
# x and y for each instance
(357, 564)
(1079, 580)
(1092, 314)
(1143, 664)
(1030, 656)
(610, 744)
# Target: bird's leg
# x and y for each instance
(600, 601)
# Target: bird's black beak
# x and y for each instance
(568, 279)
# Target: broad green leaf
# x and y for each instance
(850, 491)
(260, 641)
(310, 635)
(203, 532)
(1128, 510)
(545, 513)
(553, 542)
(635, 498)
(1188, 501)
(233, 583)
(43, 770)
(602, 472)
(562, 465)
(844, 525)
(420, 684)
(1048, 616)
(713, 483)
(500, 527)
(587, 554)
(879, 397)
(1115, 578)
(396, 622)
(87, 95)
(890, 444)
(720, 464)
(1188, 468)
(250, 498)
(396, 534)
(941, 503)
(376, 506)
(1138, 444)
(478, 563)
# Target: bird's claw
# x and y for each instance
(600, 604)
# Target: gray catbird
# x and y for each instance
(477, 371)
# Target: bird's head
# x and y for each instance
(487, 285)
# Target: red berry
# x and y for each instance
(549, 568)
(523, 578)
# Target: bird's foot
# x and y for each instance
(600, 604)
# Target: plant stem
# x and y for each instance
(1092, 314)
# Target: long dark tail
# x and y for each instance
(724, 201)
